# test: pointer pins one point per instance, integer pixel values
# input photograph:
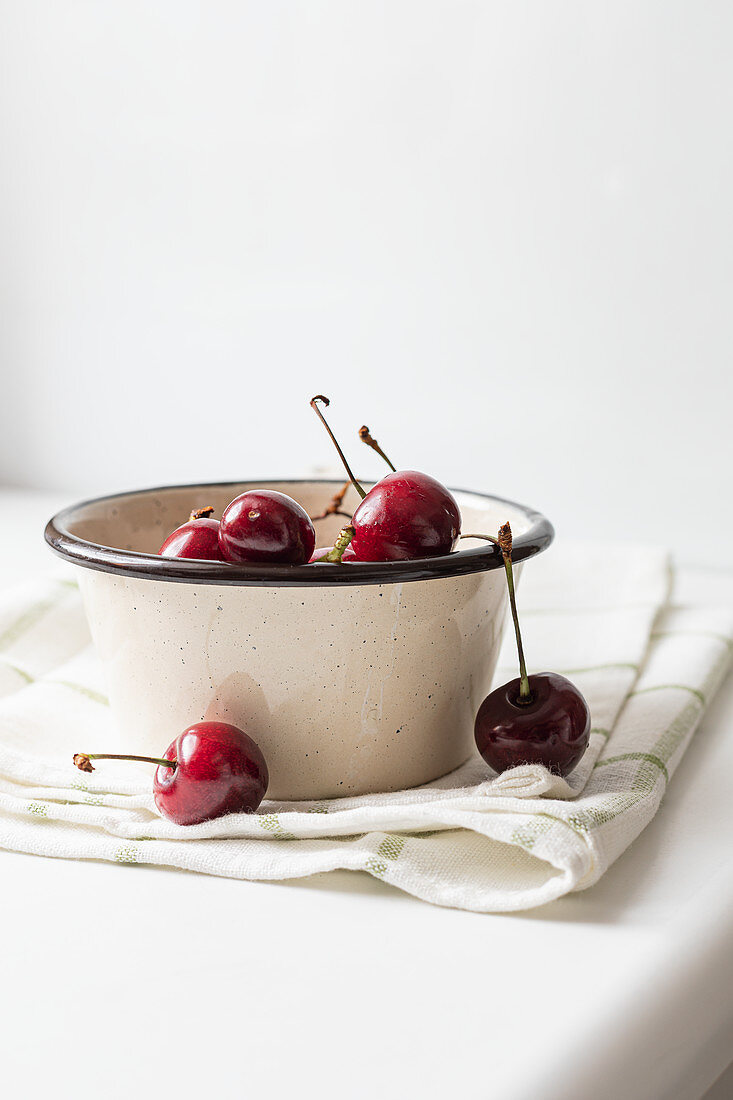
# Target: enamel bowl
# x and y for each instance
(352, 679)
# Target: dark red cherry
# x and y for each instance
(211, 769)
(263, 525)
(553, 729)
(406, 515)
(197, 538)
(219, 770)
(538, 719)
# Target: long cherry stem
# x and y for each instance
(366, 437)
(82, 760)
(504, 542)
(337, 553)
(505, 545)
(326, 402)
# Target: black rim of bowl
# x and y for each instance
(130, 563)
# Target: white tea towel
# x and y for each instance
(471, 840)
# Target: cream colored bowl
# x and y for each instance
(352, 679)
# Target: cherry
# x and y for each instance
(263, 525)
(537, 719)
(211, 769)
(405, 515)
(552, 729)
(197, 538)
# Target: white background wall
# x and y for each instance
(499, 233)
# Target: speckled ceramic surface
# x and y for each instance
(348, 687)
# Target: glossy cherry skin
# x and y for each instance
(220, 770)
(320, 553)
(263, 525)
(198, 538)
(552, 730)
(406, 515)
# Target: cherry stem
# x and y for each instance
(486, 538)
(334, 508)
(326, 402)
(337, 553)
(82, 760)
(201, 513)
(504, 542)
(505, 545)
(366, 437)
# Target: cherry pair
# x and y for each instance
(261, 525)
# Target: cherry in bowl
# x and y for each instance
(263, 525)
(407, 515)
(197, 538)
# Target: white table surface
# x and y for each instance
(340, 986)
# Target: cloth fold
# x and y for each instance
(472, 840)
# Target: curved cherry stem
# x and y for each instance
(504, 542)
(326, 402)
(505, 545)
(366, 437)
(486, 538)
(83, 760)
(336, 554)
(334, 508)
